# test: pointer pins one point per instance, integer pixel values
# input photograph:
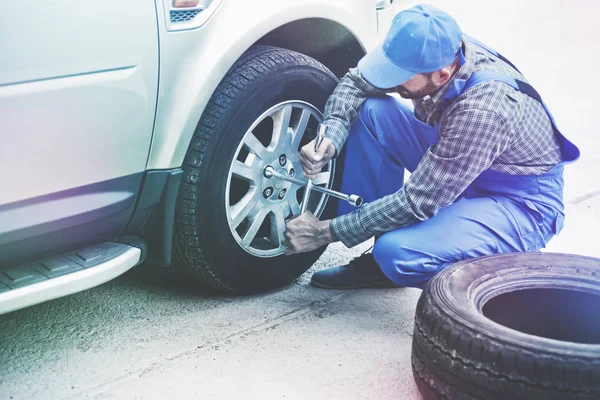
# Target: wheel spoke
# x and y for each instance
(255, 224)
(322, 178)
(300, 188)
(299, 131)
(277, 227)
(294, 206)
(242, 208)
(243, 171)
(281, 124)
(255, 146)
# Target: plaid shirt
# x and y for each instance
(491, 125)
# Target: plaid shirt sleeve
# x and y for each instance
(470, 138)
(343, 105)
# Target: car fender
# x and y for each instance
(193, 62)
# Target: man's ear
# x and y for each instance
(442, 76)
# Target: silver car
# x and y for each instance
(140, 130)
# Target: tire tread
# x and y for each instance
(430, 335)
(253, 64)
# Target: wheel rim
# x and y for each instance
(257, 207)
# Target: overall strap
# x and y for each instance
(484, 76)
(570, 151)
(491, 75)
(490, 50)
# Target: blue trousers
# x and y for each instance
(514, 217)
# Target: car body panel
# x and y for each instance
(77, 93)
(67, 219)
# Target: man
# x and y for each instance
(485, 158)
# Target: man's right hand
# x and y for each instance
(313, 162)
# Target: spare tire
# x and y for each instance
(511, 326)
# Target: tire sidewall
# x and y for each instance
(458, 289)
(236, 267)
(459, 353)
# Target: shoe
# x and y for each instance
(362, 272)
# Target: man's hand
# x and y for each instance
(306, 233)
(313, 162)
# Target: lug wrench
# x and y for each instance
(352, 199)
(321, 129)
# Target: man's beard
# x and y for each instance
(427, 90)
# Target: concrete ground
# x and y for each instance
(150, 335)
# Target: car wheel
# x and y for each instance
(230, 218)
(512, 326)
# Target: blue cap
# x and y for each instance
(421, 39)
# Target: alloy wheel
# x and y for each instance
(256, 206)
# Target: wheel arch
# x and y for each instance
(325, 40)
(333, 34)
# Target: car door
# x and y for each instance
(78, 87)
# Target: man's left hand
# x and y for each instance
(306, 233)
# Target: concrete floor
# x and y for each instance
(150, 335)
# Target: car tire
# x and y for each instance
(512, 326)
(207, 245)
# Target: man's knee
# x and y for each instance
(404, 263)
(376, 104)
(375, 108)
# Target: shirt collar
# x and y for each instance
(430, 104)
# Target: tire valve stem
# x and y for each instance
(268, 192)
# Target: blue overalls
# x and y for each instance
(497, 213)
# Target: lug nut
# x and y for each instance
(282, 160)
(268, 192)
(292, 172)
(281, 194)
